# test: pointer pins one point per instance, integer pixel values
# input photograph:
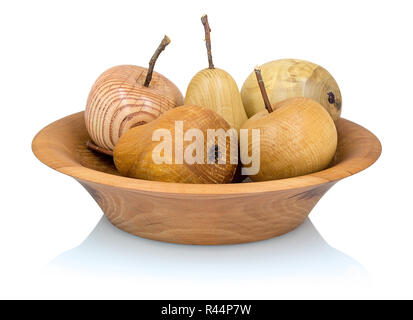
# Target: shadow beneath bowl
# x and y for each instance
(300, 254)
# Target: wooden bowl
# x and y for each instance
(195, 213)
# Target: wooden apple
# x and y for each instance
(127, 96)
(291, 78)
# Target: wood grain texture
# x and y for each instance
(298, 138)
(199, 213)
(119, 100)
(215, 89)
(290, 78)
(133, 154)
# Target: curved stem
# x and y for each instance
(264, 94)
(91, 145)
(165, 41)
(204, 20)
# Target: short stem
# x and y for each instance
(263, 90)
(165, 41)
(91, 145)
(204, 20)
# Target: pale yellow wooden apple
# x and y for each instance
(290, 78)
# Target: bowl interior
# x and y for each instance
(62, 146)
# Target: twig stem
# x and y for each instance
(264, 94)
(165, 41)
(204, 20)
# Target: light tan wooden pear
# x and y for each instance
(126, 96)
(297, 137)
(215, 89)
(290, 78)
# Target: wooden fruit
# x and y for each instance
(127, 96)
(215, 89)
(290, 78)
(297, 137)
(135, 152)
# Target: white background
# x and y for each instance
(359, 241)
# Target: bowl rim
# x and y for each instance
(341, 170)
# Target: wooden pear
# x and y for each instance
(215, 89)
(141, 153)
(297, 137)
(290, 78)
(126, 96)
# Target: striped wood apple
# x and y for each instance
(127, 96)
